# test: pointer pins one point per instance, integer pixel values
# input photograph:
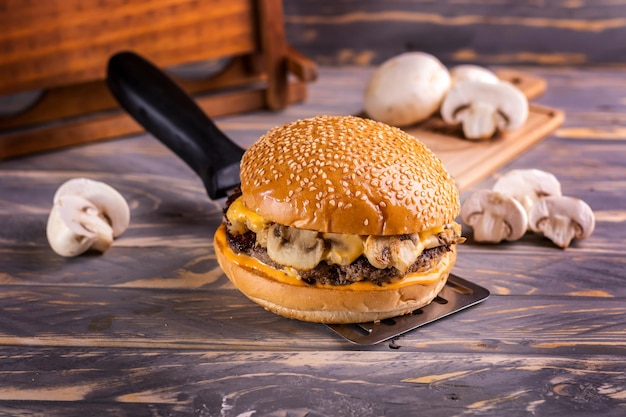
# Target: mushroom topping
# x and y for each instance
(473, 73)
(86, 215)
(561, 219)
(494, 216)
(528, 185)
(406, 89)
(297, 248)
(483, 108)
(393, 251)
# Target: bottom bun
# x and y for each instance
(277, 292)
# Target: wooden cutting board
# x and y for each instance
(469, 162)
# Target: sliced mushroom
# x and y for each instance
(473, 73)
(76, 226)
(399, 252)
(107, 199)
(342, 249)
(561, 219)
(86, 215)
(406, 89)
(494, 216)
(528, 185)
(297, 248)
(484, 108)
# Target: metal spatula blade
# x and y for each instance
(458, 294)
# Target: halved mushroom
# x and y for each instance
(561, 219)
(474, 73)
(528, 185)
(406, 89)
(76, 226)
(297, 248)
(86, 215)
(110, 203)
(484, 108)
(494, 216)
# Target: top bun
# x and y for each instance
(345, 174)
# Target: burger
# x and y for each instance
(340, 219)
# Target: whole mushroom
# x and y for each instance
(406, 89)
(474, 73)
(484, 108)
(528, 185)
(86, 215)
(561, 219)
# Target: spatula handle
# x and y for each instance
(170, 115)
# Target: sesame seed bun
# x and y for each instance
(344, 174)
(325, 304)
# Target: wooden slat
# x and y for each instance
(216, 319)
(53, 46)
(91, 97)
(504, 32)
(303, 383)
(274, 47)
(98, 127)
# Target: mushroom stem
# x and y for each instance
(494, 216)
(75, 226)
(562, 234)
(480, 121)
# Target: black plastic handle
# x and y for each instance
(166, 111)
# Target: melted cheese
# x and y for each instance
(238, 214)
(289, 276)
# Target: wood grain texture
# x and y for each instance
(56, 43)
(152, 327)
(548, 32)
(303, 383)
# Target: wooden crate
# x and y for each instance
(61, 47)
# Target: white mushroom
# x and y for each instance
(393, 251)
(494, 216)
(528, 185)
(75, 226)
(484, 108)
(561, 219)
(86, 215)
(406, 89)
(473, 73)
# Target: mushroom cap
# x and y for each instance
(472, 72)
(507, 103)
(528, 185)
(561, 219)
(494, 216)
(406, 89)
